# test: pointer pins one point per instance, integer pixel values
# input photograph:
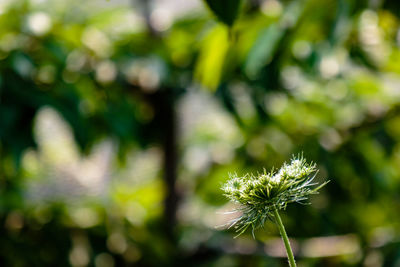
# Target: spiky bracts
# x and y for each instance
(259, 195)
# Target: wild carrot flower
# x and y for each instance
(260, 197)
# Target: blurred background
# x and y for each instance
(120, 120)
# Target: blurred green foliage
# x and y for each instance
(119, 123)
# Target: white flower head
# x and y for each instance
(259, 195)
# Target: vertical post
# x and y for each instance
(170, 160)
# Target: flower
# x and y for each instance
(259, 195)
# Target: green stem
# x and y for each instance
(285, 238)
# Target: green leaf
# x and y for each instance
(225, 10)
(213, 52)
(263, 49)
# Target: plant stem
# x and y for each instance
(285, 238)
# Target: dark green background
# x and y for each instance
(163, 107)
